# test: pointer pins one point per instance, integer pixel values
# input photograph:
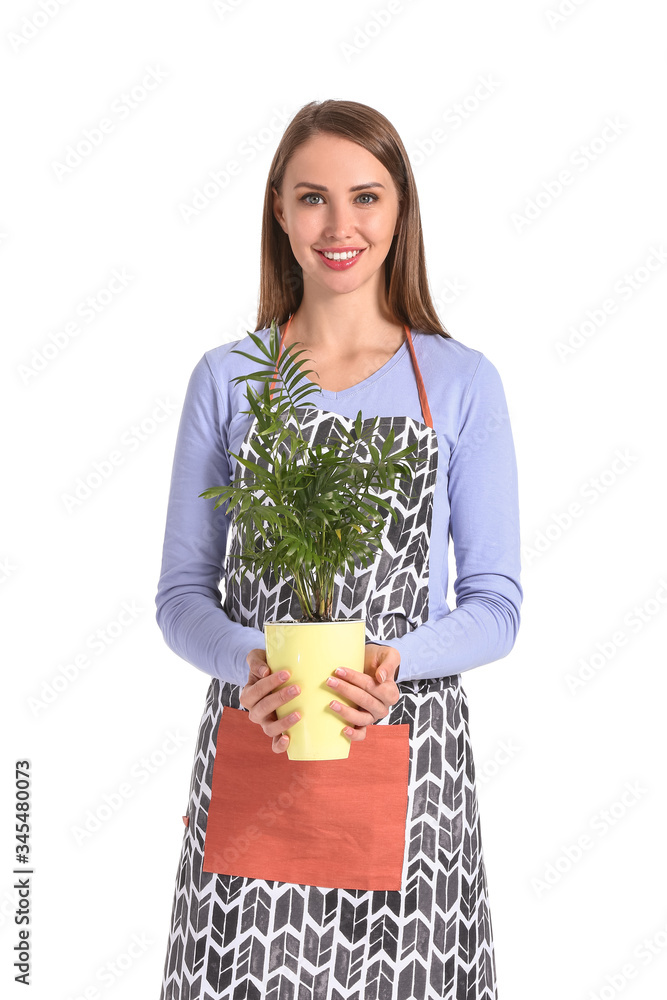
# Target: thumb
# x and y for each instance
(386, 663)
(374, 657)
(257, 662)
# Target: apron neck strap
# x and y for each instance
(423, 399)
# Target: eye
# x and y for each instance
(313, 194)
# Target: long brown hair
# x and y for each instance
(281, 276)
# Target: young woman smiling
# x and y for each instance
(367, 880)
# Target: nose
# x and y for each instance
(339, 221)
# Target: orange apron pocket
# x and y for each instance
(337, 824)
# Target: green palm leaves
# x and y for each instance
(307, 511)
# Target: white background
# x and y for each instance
(552, 759)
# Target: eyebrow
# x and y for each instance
(321, 187)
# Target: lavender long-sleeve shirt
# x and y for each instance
(475, 501)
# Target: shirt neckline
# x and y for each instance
(393, 360)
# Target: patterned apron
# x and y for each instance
(413, 925)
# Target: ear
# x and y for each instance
(278, 209)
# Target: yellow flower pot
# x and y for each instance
(312, 651)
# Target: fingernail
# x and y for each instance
(335, 706)
(382, 676)
(283, 739)
(340, 672)
(332, 682)
(264, 671)
(284, 675)
(348, 732)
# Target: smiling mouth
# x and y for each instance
(342, 254)
(340, 260)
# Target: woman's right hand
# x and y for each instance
(261, 698)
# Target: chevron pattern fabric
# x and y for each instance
(392, 592)
(232, 937)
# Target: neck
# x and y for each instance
(341, 324)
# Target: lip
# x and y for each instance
(340, 265)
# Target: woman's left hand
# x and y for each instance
(373, 692)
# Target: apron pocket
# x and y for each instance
(329, 823)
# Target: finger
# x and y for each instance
(394, 694)
(355, 679)
(386, 672)
(280, 744)
(274, 727)
(355, 735)
(257, 666)
(355, 717)
(259, 689)
(260, 671)
(272, 701)
(361, 696)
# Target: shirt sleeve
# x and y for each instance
(484, 527)
(188, 601)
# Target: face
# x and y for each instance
(320, 210)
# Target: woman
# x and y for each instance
(343, 272)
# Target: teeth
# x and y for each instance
(341, 256)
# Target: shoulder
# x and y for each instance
(218, 359)
(226, 363)
(452, 366)
(451, 357)
(222, 364)
(462, 385)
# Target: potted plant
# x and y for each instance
(306, 512)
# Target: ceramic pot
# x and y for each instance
(312, 651)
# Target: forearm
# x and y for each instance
(479, 631)
(198, 630)
(482, 489)
(188, 600)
